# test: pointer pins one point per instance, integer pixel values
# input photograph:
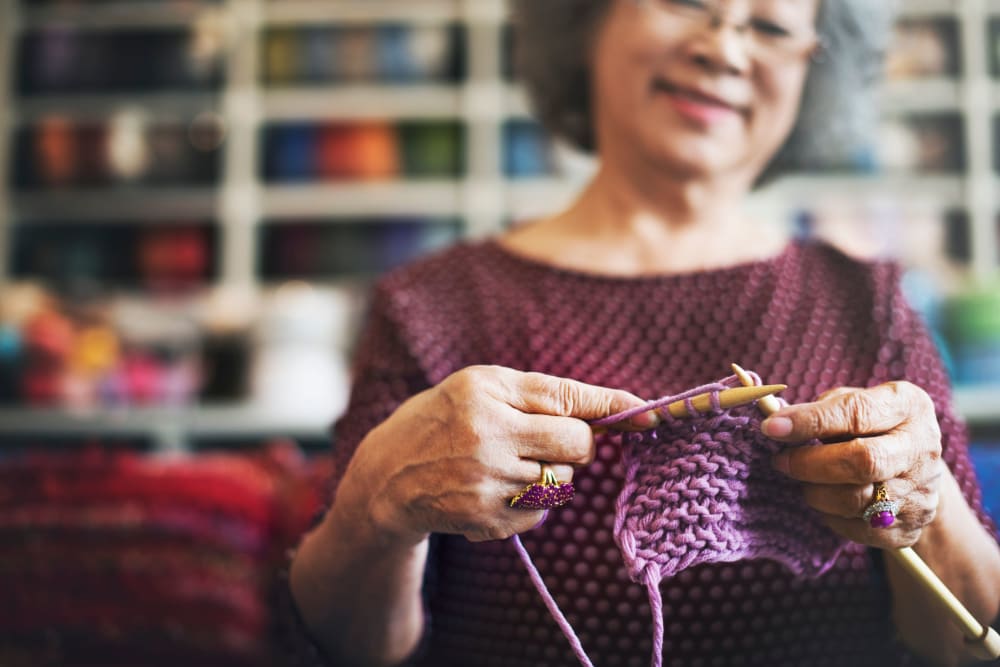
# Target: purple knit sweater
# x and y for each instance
(811, 318)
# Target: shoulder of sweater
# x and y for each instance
(823, 260)
(442, 272)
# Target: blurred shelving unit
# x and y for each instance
(481, 189)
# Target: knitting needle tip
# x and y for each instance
(768, 404)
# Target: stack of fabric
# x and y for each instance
(116, 558)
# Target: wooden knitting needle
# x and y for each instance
(728, 398)
(982, 641)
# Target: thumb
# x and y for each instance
(537, 393)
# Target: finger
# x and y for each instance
(554, 439)
(537, 393)
(896, 536)
(562, 471)
(857, 461)
(852, 413)
(849, 500)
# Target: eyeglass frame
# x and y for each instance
(817, 49)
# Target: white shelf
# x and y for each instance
(362, 102)
(404, 198)
(945, 191)
(921, 96)
(921, 8)
(168, 428)
(360, 11)
(159, 106)
(516, 102)
(978, 404)
(915, 190)
(115, 204)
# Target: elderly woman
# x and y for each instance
(484, 361)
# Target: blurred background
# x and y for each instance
(195, 196)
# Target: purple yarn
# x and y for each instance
(701, 490)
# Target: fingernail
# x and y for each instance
(776, 427)
(646, 419)
(780, 463)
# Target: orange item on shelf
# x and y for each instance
(57, 160)
(95, 351)
(363, 151)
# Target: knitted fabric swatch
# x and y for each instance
(702, 490)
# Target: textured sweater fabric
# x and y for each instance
(811, 318)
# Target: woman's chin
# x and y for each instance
(694, 165)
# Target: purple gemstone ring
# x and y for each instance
(881, 513)
(544, 494)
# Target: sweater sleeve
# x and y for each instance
(384, 374)
(909, 353)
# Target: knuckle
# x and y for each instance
(864, 464)
(581, 443)
(459, 386)
(566, 397)
(557, 394)
(859, 411)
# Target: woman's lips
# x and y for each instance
(702, 108)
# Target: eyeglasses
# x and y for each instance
(773, 40)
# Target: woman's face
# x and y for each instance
(700, 88)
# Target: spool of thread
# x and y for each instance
(174, 257)
(973, 327)
(395, 62)
(50, 61)
(128, 153)
(429, 52)
(92, 155)
(362, 151)
(357, 55)
(433, 150)
(56, 154)
(318, 55)
(290, 154)
(527, 151)
(294, 250)
(281, 56)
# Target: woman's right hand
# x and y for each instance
(450, 458)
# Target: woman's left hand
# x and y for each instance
(887, 433)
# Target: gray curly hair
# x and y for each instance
(836, 119)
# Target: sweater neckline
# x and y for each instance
(494, 246)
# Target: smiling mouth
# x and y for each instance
(663, 86)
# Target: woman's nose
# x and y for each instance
(723, 48)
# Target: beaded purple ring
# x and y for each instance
(881, 513)
(547, 493)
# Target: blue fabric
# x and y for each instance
(986, 458)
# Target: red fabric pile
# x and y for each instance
(118, 558)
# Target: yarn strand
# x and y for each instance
(550, 602)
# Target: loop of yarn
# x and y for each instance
(701, 490)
